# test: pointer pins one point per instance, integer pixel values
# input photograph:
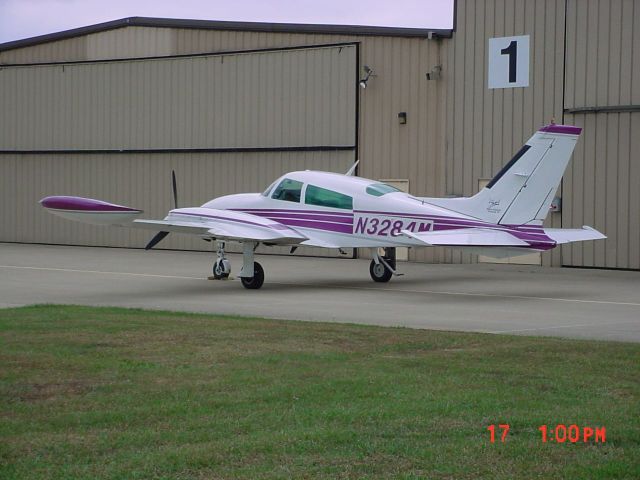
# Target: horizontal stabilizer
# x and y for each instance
(468, 237)
(568, 235)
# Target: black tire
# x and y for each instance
(257, 280)
(218, 270)
(379, 272)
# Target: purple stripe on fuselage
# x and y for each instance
(566, 129)
(330, 227)
(80, 204)
(532, 234)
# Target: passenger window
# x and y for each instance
(327, 198)
(288, 190)
(380, 189)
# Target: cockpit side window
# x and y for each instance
(380, 189)
(327, 198)
(288, 190)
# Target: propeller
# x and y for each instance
(158, 237)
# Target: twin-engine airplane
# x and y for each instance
(330, 210)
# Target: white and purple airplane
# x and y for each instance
(330, 210)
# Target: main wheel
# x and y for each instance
(220, 270)
(379, 272)
(255, 282)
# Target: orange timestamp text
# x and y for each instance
(559, 433)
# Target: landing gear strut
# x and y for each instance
(222, 266)
(382, 268)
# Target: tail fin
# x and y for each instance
(522, 192)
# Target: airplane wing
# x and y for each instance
(468, 237)
(204, 222)
(224, 225)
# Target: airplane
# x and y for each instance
(336, 211)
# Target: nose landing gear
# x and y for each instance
(222, 266)
(251, 275)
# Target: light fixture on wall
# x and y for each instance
(369, 73)
(402, 118)
(435, 73)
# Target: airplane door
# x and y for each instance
(402, 253)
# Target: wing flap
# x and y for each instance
(467, 237)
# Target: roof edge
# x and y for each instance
(228, 25)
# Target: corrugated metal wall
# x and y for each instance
(458, 131)
(271, 99)
(139, 180)
(280, 98)
(486, 127)
(387, 149)
(602, 186)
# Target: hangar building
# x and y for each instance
(108, 110)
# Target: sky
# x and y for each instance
(27, 18)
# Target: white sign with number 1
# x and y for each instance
(509, 62)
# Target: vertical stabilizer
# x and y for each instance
(522, 192)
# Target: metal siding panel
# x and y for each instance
(183, 88)
(626, 42)
(601, 191)
(485, 127)
(599, 203)
(634, 191)
(610, 205)
(385, 149)
(142, 181)
(69, 50)
(623, 212)
(130, 42)
(635, 55)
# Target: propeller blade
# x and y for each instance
(156, 239)
(175, 188)
(160, 235)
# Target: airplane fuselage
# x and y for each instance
(373, 221)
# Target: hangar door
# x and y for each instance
(227, 123)
(602, 95)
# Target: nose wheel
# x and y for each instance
(221, 269)
(222, 266)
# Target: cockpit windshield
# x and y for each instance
(380, 189)
(269, 188)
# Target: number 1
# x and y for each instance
(512, 51)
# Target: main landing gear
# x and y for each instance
(252, 273)
(383, 267)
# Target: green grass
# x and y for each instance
(116, 393)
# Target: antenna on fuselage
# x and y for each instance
(352, 170)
